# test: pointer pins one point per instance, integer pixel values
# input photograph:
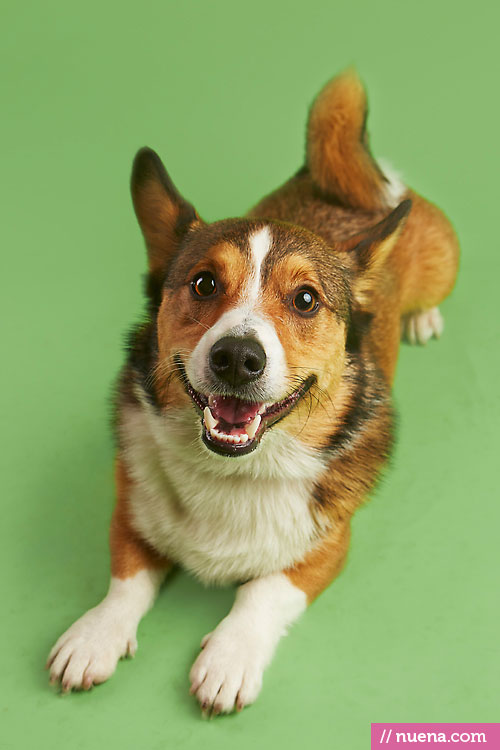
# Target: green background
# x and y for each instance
(410, 630)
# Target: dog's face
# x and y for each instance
(252, 325)
(252, 316)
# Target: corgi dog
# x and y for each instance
(253, 413)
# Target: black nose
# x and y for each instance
(237, 361)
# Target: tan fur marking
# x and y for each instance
(228, 264)
(182, 320)
(313, 346)
(129, 553)
(419, 273)
(425, 258)
(323, 563)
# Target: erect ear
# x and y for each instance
(163, 214)
(371, 248)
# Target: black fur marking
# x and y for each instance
(142, 347)
(371, 394)
(357, 414)
(153, 286)
(359, 324)
(320, 496)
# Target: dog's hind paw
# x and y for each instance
(419, 327)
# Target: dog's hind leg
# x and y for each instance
(88, 652)
(426, 262)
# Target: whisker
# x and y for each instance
(308, 415)
(195, 320)
(326, 395)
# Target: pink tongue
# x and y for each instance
(233, 410)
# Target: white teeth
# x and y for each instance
(208, 418)
(244, 437)
(262, 409)
(251, 429)
(223, 437)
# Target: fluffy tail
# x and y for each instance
(338, 154)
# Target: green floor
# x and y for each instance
(410, 630)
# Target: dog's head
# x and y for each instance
(252, 316)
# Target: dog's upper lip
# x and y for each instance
(234, 426)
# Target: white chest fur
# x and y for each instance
(225, 519)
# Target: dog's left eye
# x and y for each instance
(305, 302)
(203, 284)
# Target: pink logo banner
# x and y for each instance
(429, 736)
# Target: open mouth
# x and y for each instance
(234, 427)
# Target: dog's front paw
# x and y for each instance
(228, 672)
(88, 652)
(419, 327)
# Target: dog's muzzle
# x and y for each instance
(234, 426)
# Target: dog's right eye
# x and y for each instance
(203, 284)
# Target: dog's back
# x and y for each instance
(341, 191)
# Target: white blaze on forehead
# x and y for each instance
(243, 320)
(260, 244)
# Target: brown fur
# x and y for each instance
(425, 259)
(337, 146)
(323, 563)
(129, 553)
